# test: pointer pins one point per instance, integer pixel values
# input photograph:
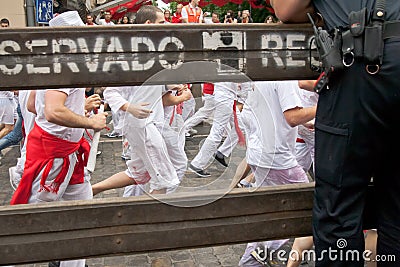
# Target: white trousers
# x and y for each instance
(303, 156)
(175, 143)
(150, 158)
(270, 177)
(205, 112)
(222, 117)
(66, 192)
(305, 151)
(189, 107)
(116, 119)
(232, 139)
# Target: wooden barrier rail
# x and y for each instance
(34, 58)
(106, 227)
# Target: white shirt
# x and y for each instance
(308, 99)
(29, 117)
(152, 94)
(103, 22)
(243, 91)
(6, 94)
(270, 139)
(225, 91)
(75, 102)
(169, 110)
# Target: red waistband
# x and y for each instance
(299, 140)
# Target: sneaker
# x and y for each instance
(188, 137)
(192, 131)
(98, 153)
(199, 172)
(221, 159)
(244, 184)
(113, 135)
(261, 256)
(13, 180)
(125, 157)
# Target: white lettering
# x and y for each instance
(15, 46)
(30, 68)
(136, 65)
(91, 61)
(266, 43)
(115, 46)
(57, 44)
(291, 38)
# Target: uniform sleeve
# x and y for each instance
(288, 93)
(114, 97)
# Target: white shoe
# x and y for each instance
(13, 179)
(192, 131)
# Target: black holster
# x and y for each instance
(364, 39)
(373, 44)
(353, 39)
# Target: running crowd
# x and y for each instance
(274, 120)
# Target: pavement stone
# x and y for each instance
(110, 162)
(185, 264)
(180, 256)
(161, 262)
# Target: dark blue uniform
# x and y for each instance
(358, 137)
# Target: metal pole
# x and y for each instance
(30, 13)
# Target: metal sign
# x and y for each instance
(44, 11)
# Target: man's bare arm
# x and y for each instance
(307, 85)
(292, 11)
(56, 112)
(297, 115)
(30, 105)
(171, 100)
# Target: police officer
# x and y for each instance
(357, 127)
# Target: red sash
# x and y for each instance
(41, 150)
(208, 88)
(242, 140)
